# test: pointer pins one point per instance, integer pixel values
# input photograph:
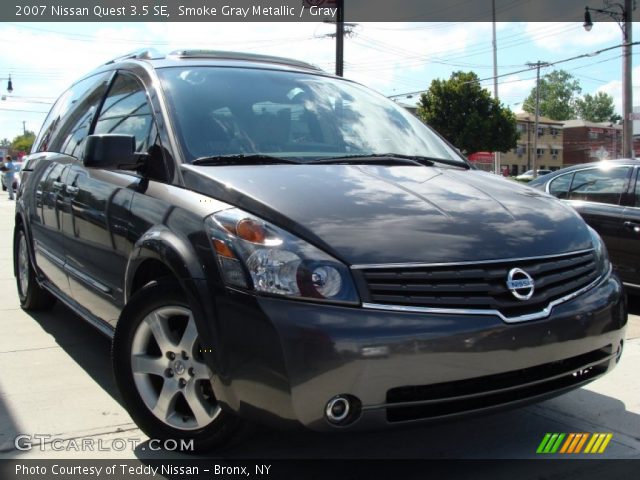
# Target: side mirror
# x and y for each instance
(110, 152)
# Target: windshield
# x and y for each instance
(225, 111)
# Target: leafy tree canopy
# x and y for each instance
(596, 108)
(465, 114)
(23, 143)
(559, 92)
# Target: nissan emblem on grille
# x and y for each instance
(520, 284)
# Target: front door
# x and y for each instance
(98, 239)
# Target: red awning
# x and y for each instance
(482, 157)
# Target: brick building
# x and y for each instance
(589, 141)
(549, 154)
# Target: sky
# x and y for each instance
(43, 59)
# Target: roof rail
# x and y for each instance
(242, 56)
(140, 54)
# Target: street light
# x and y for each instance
(9, 84)
(622, 15)
(588, 24)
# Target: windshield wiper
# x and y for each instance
(390, 159)
(242, 160)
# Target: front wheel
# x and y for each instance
(161, 373)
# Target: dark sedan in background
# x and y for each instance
(607, 195)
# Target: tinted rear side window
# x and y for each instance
(559, 187)
(599, 185)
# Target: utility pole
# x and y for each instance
(622, 15)
(627, 94)
(495, 77)
(342, 29)
(24, 127)
(340, 39)
(538, 64)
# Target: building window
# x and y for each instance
(540, 152)
(554, 131)
(521, 128)
(593, 135)
(540, 131)
(521, 150)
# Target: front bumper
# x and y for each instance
(283, 360)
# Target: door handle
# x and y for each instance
(632, 226)
(71, 190)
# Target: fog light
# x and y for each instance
(342, 409)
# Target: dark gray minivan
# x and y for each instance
(267, 242)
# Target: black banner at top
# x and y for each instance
(297, 10)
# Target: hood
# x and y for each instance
(366, 214)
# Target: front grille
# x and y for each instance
(437, 400)
(481, 286)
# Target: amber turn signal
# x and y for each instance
(223, 249)
(251, 231)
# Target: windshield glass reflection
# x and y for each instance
(222, 111)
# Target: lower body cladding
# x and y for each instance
(334, 368)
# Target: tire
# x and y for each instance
(170, 395)
(32, 295)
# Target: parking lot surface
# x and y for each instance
(55, 380)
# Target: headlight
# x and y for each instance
(602, 257)
(256, 255)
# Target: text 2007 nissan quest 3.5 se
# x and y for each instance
(267, 242)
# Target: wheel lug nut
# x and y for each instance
(171, 355)
(169, 372)
(191, 371)
(184, 355)
(182, 382)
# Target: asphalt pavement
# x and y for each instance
(56, 381)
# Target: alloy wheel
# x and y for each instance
(169, 371)
(23, 265)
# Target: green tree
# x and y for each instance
(5, 143)
(558, 94)
(22, 143)
(615, 118)
(465, 114)
(595, 108)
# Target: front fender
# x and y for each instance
(177, 254)
(162, 244)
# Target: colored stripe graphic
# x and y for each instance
(581, 443)
(573, 443)
(567, 443)
(551, 443)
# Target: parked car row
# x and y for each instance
(607, 196)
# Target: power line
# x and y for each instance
(413, 58)
(23, 111)
(549, 64)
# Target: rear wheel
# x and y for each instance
(161, 373)
(32, 295)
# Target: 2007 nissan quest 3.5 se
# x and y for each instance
(265, 241)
